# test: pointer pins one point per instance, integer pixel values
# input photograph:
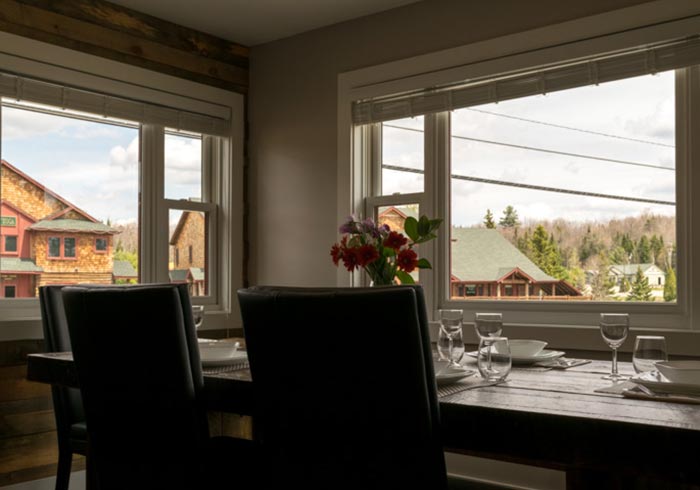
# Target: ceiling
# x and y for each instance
(252, 22)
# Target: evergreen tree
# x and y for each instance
(488, 220)
(545, 255)
(643, 251)
(510, 218)
(640, 289)
(618, 255)
(628, 245)
(590, 246)
(670, 293)
(658, 250)
(523, 243)
(624, 284)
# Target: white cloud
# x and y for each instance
(125, 158)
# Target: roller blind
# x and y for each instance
(40, 92)
(603, 68)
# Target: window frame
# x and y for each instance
(564, 325)
(38, 61)
(4, 245)
(97, 250)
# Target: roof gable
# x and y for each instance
(482, 254)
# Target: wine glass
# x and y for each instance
(648, 350)
(494, 360)
(614, 328)
(450, 341)
(198, 315)
(488, 325)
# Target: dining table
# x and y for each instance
(570, 420)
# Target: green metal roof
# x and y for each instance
(631, 269)
(123, 268)
(178, 275)
(482, 254)
(72, 225)
(14, 264)
(197, 273)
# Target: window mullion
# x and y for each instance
(154, 234)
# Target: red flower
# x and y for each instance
(336, 253)
(407, 260)
(395, 240)
(366, 254)
(350, 257)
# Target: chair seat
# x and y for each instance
(232, 462)
(78, 438)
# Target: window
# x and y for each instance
(10, 244)
(100, 244)
(9, 291)
(104, 157)
(559, 180)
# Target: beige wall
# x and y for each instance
(292, 114)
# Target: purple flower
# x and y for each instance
(368, 226)
(350, 226)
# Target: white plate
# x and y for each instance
(544, 355)
(452, 376)
(236, 357)
(656, 381)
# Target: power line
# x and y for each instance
(570, 128)
(551, 152)
(537, 187)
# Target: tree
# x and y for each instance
(640, 290)
(644, 250)
(590, 246)
(601, 282)
(670, 292)
(618, 255)
(510, 218)
(488, 220)
(624, 284)
(544, 253)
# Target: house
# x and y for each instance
(485, 265)
(188, 257)
(655, 276)
(48, 240)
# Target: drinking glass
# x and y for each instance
(488, 325)
(494, 359)
(648, 350)
(198, 315)
(614, 328)
(450, 341)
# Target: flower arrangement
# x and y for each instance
(384, 254)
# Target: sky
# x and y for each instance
(639, 109)
(94, 165)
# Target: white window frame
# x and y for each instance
(222, 199)
(565, 325)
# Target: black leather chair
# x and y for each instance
(137, 359)
(345, 387)
(67, 404)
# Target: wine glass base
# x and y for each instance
(615, 377)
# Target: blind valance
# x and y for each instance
(56, 95)
(594, 70)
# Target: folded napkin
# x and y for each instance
(617, 388)
(562, 363)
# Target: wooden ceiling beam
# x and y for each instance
(103, 29)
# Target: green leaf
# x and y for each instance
(435, 224)
(423, 225)
(424, 264)
(426, 238)
(405, 277)
(410, 226)
(388, 252)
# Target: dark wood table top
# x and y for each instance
(545, 417)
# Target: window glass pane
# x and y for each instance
(403, 156)
(10, 244)
(394, 217)
(10, 291)
(188, 250)
(183, 166)
(69, 247)
(54, 247)
(64, 182)
(101, 244)
(568, 196)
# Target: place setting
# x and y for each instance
(218, 353)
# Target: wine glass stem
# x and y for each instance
(488, 358)
(614, 362)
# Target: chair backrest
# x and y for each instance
(68, 406)
(344, 384)
(136, 356)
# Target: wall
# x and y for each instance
(293, 123)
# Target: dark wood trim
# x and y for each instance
(103, 29)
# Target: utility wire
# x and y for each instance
(570, 128)
(536, 187)
(552, 152)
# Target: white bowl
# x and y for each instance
(686, 372)
(216, 349)
(525, 347)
